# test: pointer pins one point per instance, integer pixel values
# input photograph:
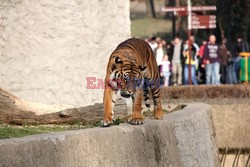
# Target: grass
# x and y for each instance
(145, 27)
(12, 131)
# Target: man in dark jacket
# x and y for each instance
(226, 59)
(212, 61)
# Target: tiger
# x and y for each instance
(131, 71)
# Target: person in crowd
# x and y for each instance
(158, 40)
(202, 48)
(176, 59)
(169, 48)
(225, 57)
(212, 61)
(164, 43)
(159, 53)
(231, 73)
(201, 66)
(153, 44)
(196, 46)
(193, 66)
(197, 49)
(165, 70)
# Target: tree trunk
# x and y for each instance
(221, 29)
(178, 20)
(15, 111)
(150, 8)
(18, 112)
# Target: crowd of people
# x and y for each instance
(211, 63)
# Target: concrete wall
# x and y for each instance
(48, 48)
(231, 118)
(232, 122)
(182, 139)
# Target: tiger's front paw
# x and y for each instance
(136, 121)
(105, 123)
(159, 114)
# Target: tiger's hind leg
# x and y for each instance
(158, 113)
(137, 118)
(108, 102)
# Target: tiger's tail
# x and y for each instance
(146, 96)
(155, 90)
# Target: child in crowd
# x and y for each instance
(165, 70)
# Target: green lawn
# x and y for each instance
(146, 27)
(12, 131)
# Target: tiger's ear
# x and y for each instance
(142, 68)
(118, 60)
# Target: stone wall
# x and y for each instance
(48, 48)
(183, 139)
(232, 122)
(231, 118)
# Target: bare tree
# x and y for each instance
(178, 20)
(150, 8)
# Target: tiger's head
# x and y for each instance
(126, 76)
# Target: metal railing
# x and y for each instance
(235, 157)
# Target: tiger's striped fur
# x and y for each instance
(131, 69)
